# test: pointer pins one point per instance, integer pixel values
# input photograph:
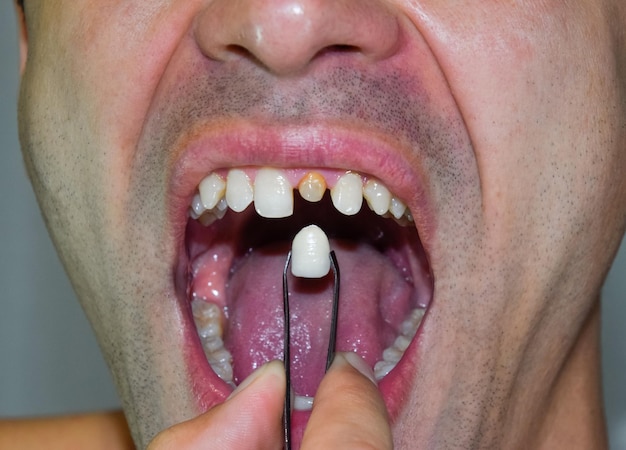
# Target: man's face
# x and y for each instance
(499, 124)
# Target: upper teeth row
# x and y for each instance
(272, 194)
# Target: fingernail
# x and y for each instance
(357, 362)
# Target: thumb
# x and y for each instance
(249, 418)
(348, 411)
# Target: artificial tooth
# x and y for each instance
(273, 194)
(397, 208)
(347, 195)
(312, 187)
(239, 193)
(310, 253)
(378, 196)
(212, 190)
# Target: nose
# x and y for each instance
(285, 36)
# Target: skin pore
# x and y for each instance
(501, 125)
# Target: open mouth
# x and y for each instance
(240, 228)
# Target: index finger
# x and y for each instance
(348, 411)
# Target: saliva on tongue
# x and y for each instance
(374, 300)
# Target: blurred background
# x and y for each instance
(49, 360)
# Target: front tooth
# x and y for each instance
(310, 253)
(312, 187)
(378, 196)
(239, 192)
(273, 195)
(397, 208)
(347, 195)
(211, 190)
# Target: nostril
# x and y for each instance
(285, 36)
(240, 50)
(339, 48)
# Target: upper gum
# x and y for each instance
(295, 175)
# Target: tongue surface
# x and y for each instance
(373, 301)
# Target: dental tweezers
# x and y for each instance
(330, 355)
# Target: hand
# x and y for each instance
(348, 413)
(93, 431)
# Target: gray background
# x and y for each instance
(49, 360)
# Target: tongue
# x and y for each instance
(373, 301)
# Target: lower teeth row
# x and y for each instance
(208, 319)
(393, 354)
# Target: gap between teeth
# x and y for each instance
(272, 195)
(208, 319)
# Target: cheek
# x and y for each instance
(120, 52)
(85, 89)
(61, 147)
(544, 122)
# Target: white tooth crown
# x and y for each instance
(272, 193)
(303, 403)
(347, 195)
(239, 192)
(310, 253)
(212, 190)
(397, 208)
(196, 206)
(378, 196)
(393, 353)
